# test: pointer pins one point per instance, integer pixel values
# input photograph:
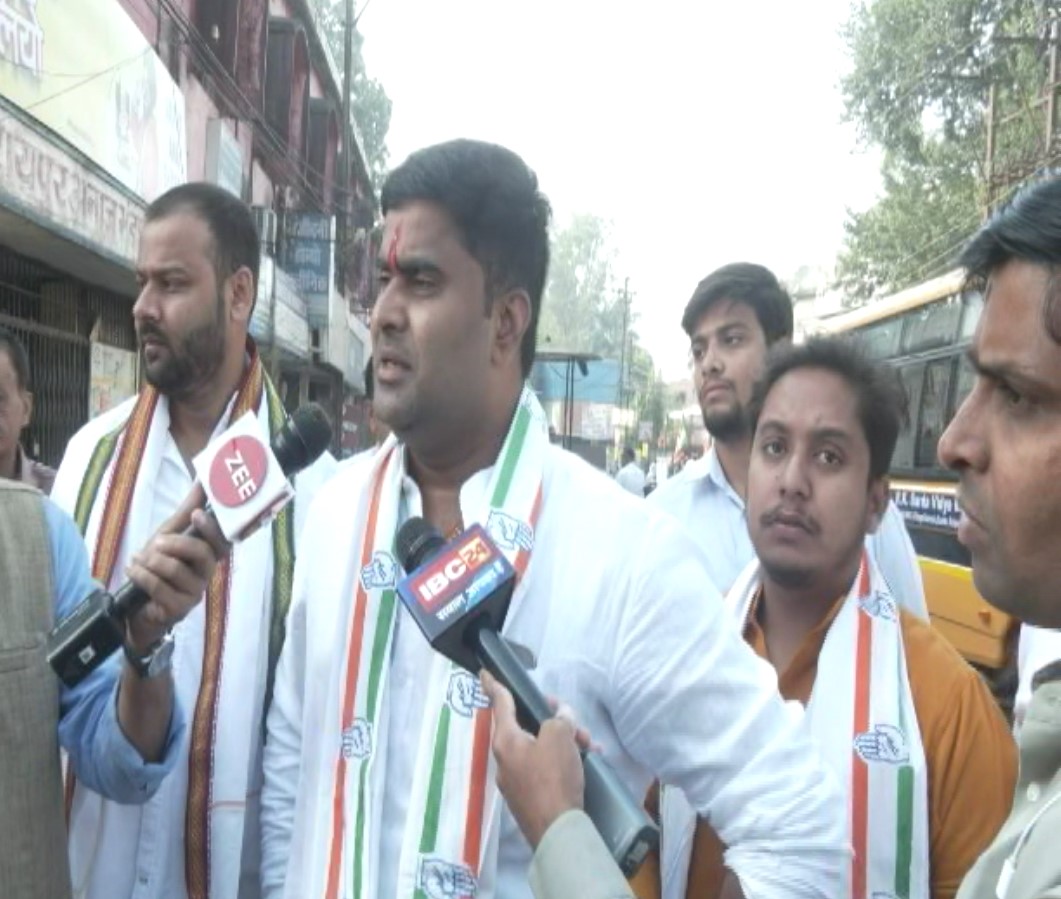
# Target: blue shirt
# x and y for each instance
(103, 759)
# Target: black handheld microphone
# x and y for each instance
(90, 634)
(458, 594)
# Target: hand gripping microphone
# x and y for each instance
(83, 640)
(458, 593)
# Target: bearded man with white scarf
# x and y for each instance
(378, 774)
(128, 470)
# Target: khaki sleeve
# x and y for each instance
(972, 761)
(572, 861)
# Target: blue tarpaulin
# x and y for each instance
(600, 384)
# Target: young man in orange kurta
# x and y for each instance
(826, 423)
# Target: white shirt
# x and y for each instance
(631, 478)
(702, 499)
(626, 628)
(359, 458)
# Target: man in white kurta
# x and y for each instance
(377, 782)
(198, 836)
(626, 628)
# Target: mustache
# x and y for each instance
(791, 517)
(389, 349)
(151, 331)
(717, 382)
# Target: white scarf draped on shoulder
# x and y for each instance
(225, 723)
(861, 713)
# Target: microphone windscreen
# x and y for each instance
(416, 542)
(302, 440)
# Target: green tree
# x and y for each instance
(911, 233)
(918, 86)
(585, 309)
(648, 397)
(369, 104)
(583, 306)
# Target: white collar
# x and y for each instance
(714, 473)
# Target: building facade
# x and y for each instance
(104, 104)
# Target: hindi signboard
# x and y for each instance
(83, 69)
(309, 257)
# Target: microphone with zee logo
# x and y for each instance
(246, 484)
(458, 593)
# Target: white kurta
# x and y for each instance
(120, 851)
(625, 627)
(703, 500)
(632, 479)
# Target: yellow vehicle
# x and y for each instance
(924, 332)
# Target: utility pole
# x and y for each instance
(348, 68)
(1051, 91)
(622, 354)
(346, 176)
(1002, 172)
(989, 162)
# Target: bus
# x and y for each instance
(924, 333)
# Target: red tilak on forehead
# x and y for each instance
(392, 250)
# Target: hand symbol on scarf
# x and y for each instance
(884, 743)
(465, 695)
(380, 572)
(442, 880)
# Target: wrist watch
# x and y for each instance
(157, 660)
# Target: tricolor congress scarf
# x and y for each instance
(453, 808)
(861, 714)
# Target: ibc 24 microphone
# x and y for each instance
(458, 593)
(246, 484)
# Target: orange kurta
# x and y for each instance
(970, 753)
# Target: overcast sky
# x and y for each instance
(706, 132)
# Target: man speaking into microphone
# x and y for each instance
(378, 781)
(128, 470)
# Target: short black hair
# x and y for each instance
(881, 401)
(231, 224)
(370, 380)
(503, 218)
(1027, 229)
(744, 282)
(628, 454)
(10, 344)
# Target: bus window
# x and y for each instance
(935, 325)
(972, 306)
(911, 376)
(933, 417)
(962, 385)
(881, 340)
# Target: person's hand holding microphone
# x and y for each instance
(540, 776)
